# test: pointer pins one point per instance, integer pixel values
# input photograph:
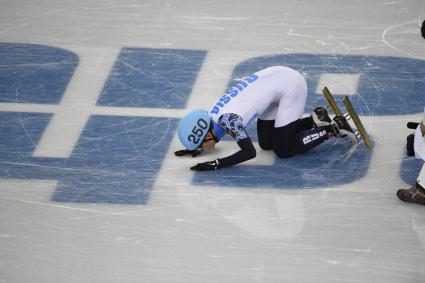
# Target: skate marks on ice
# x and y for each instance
(121, 194)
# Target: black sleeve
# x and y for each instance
(246, 152)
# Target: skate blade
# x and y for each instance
(331, 101)
(344, 157)
(358, 123)
(359, 130)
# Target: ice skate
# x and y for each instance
(343, 129)
(415, 194)
(320, 117)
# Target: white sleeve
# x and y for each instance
(419, 144)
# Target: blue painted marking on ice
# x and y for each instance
(387, 85)
(34, 73)
(410, 168)
(157, 78)
(317, 168)
(116, 159)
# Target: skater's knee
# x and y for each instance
(282, 153)
(265, 145)
(265, 134)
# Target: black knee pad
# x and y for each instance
(265, 134)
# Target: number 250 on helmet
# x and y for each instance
(193, 128)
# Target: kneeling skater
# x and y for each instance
(276, 97)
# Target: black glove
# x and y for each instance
(209, 165)
(194, 153)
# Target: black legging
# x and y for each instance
(291, 139)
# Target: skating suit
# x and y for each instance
(275, 93)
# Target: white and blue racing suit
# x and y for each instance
(276, 96)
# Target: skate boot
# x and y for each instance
(414, 194)
(320, 117)
(342, 129)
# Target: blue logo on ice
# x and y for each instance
(386, 86)
(116, 158)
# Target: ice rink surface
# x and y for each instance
(90, 190)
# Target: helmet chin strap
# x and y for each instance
(212, 138)
(207, 139)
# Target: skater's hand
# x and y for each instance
(209, 165)
(194, 153)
